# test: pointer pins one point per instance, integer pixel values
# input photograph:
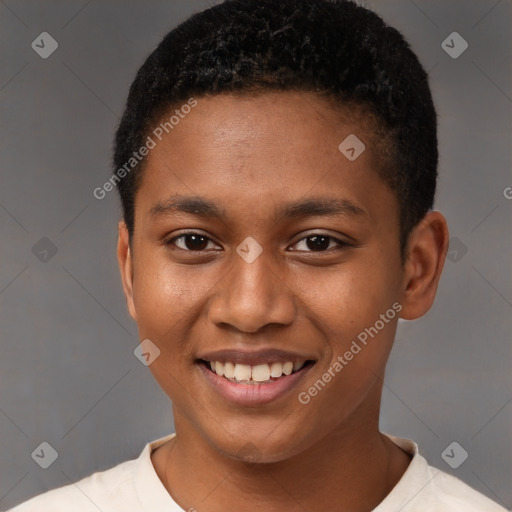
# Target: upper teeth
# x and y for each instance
(258, 373)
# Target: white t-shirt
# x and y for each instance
(134, 486)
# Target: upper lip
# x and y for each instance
(254, 357)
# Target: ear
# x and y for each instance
(425, 257)
(124, 258)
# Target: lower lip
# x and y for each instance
(254, 394)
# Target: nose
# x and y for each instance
(251, 296)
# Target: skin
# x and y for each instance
(249, 155)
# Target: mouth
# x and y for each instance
(264, 373)
(253, 385)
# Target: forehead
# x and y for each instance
(271, 147)
(246, 117)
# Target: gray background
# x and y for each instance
(68, 373)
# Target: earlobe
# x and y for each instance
(426, 254)
(125, 261)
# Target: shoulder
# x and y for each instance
(448, 493)
(130, 486)
(104, 490)
(424, 488)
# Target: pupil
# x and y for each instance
(319, 242)
(315, 243)
(195, 245)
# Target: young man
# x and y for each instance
(277, 167)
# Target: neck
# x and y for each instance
(352, 468)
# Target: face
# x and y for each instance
(288, 253)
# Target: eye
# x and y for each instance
(319, 242)
(190, 241)
(197, 242)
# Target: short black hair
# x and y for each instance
(335, 48)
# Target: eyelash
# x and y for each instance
(340, 243)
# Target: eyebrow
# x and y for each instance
(194, 205)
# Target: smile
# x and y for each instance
(253, 385)
(259, 374)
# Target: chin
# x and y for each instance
(255, 449)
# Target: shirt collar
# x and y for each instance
(153, 495)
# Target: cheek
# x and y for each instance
(168, 301)
(352, 297)
(354, 306)
(349, 308)
(166, 293)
